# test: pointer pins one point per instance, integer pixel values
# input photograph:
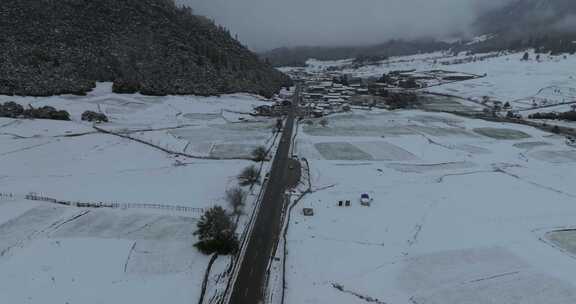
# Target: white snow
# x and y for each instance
(461, 222)
(481, 38)
(57, 254)
(461, 213)
(551, 80)
(37, 157)
(87, 271)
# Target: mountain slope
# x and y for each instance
(299, 55)
(547, 25)
(525, 16)
(152, 46)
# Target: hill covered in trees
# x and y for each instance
(154, 47)
(546, 25)
(298, 56)
(549, 26)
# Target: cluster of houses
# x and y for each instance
(333, 92)
(323, 93)
(327, 95)
(326, 92)
(279, 108)
(330, 92)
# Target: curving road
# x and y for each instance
(249, 285)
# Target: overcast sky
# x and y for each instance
(265, 24)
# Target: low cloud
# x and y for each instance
(264, 24)
(567, 23)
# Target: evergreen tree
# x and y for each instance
(216, 233)
(526, 57)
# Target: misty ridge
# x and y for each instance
(545, 25)
(289, 33)
(528, 17)
(268, 24)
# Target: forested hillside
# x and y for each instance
(297, 56)
(546, 25)
(150, 46)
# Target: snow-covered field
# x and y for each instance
(67, 255)
(461, 212)
(43, 156)
(59, 254)
(550, 80)
(464, 211)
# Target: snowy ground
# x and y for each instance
(551, 80)
(67, 255)
(37, 155)
(461, 212)
(57, 254)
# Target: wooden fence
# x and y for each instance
(115, 205)
(7, 196)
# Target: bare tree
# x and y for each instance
(236, 197)
(259, 154)
(249, 176)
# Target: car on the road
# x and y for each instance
(365, 199)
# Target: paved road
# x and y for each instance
(248, 288)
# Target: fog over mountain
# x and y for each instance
(266, 24)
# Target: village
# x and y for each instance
(409, 82)
(327, 93)
(333, 89)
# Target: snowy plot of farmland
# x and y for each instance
(549, 81)
(44, 156)
(66, 255)
(59, 254)
(553, 109)
(459, 214)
